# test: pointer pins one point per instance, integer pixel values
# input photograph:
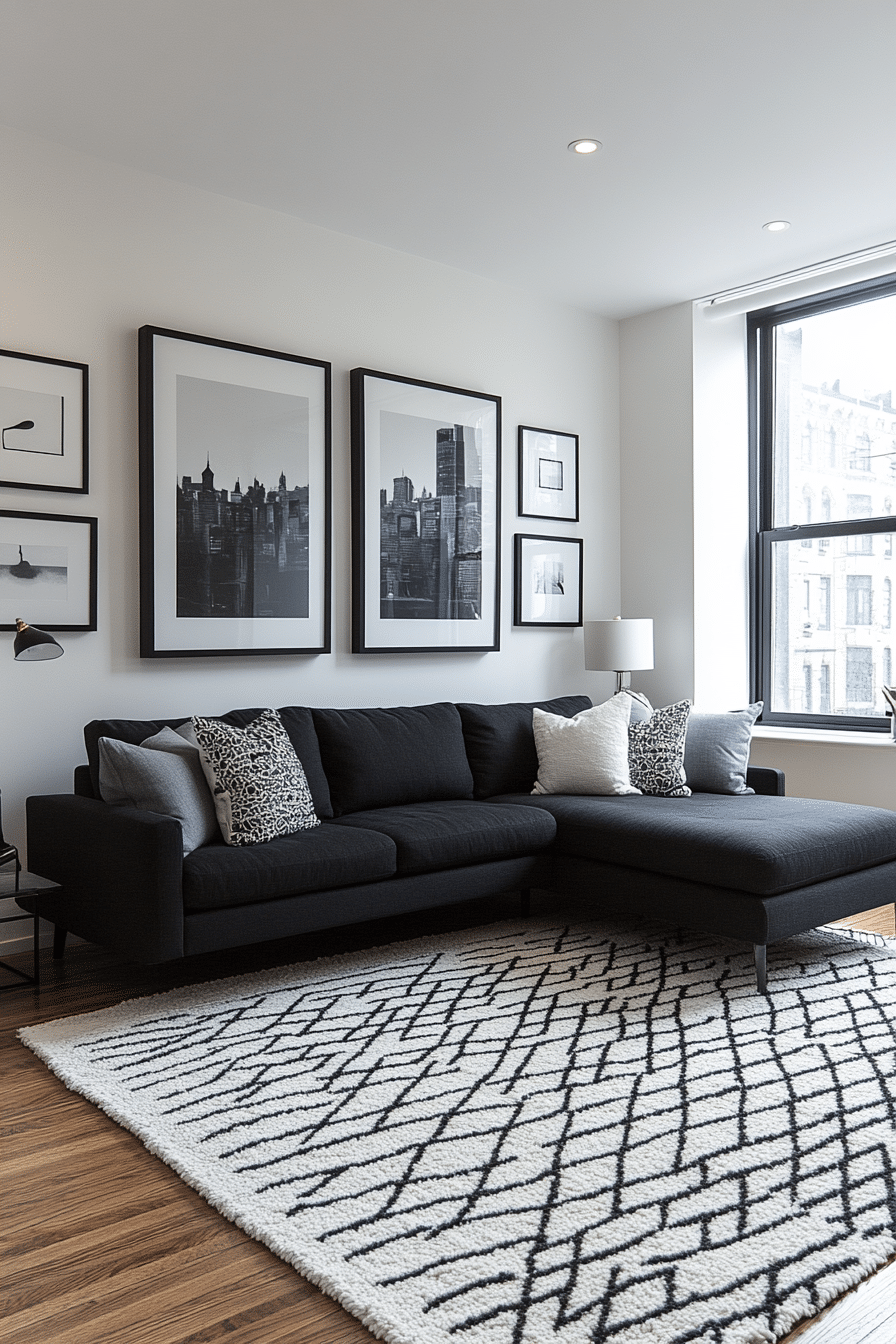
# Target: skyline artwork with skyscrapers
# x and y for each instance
(426, 526)
(430, 520)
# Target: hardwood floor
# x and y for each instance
(103, 1244)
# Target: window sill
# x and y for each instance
(832, 736)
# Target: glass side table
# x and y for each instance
(18, 883)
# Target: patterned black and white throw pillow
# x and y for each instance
(256, 778)
(656, 752)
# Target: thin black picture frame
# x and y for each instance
(556, 498)
(34, 390)
(553, 605)
(185, 615)
(451, 601)
(34, 535)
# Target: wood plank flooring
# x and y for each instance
(101, 1243)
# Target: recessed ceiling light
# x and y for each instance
(776, 225)
(583, 146)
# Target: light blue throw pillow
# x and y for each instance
(717, 750)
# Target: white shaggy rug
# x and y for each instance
(532, 1132)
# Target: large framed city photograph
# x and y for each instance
(425, 516)
(234, 498)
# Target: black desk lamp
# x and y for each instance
(30, 645)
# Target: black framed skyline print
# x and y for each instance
(548, 474)
(547, 580)
(234, 498)
(47, 570)
(425, 516)
(43, 423)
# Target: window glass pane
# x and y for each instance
(831, 627)
(835, 420)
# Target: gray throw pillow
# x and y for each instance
(656, 752)
(164, 774)
(256, 778)
(717, 750)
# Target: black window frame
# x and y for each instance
(761, 327)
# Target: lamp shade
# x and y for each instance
(32, 645)
(618, 645)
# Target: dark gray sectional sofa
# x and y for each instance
(430, 805)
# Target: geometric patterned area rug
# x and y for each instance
(534, 1132)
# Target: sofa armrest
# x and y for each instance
(120, 870)
(763, 779)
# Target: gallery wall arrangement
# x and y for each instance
(235, 470)
(236, 505)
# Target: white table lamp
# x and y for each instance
(619, 646)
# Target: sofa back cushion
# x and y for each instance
(387, 757)
(295, 719)
(501, 744)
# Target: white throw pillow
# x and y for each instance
(584, 754)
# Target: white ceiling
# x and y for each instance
(439, 127)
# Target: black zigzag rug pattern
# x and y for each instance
(532, 1132)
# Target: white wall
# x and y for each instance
(92, 251)
(657, 493)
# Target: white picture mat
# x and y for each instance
(268, 373)
(561, 448)
(48, 611)
(549, 608)
(18, 378)
(451, 408)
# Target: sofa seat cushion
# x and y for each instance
(430, 836)
(218, 875)
(749, 843)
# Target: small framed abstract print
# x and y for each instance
(47, 570)
(43, 423)
(234, 498)
(548, 476)
(547, 580)
(426, 476)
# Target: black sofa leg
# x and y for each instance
(759, 951)
(59, 935)
(525, 902)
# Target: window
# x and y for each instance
(858, 677)
(860, 455)
(824, 602)
(858, 506)
(887, 667)
(807, 513)
(858, 599)
(822, 378)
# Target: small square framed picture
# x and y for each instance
(43, 419)
(547, 580)
(47, 570)
(548, 477)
